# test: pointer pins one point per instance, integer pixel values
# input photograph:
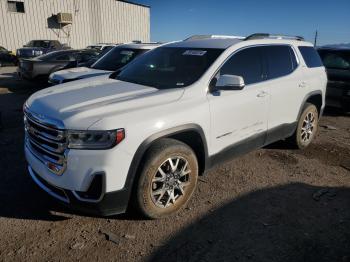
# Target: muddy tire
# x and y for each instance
(167, 180)
(307, 127)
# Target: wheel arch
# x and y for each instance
(190, 134)
(315, 98)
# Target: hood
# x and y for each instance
(81, 103)
(78, 72)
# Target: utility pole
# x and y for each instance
(316, 35)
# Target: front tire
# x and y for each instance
(167, 180)
(307, 127)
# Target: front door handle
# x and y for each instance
(262, 94)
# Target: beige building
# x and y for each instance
(77, 23)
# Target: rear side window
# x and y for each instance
(281, 60)
(311, 57)
(247, 64)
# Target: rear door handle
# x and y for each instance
(262, 94)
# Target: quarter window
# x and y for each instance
(247, 64)
(311, 57)
(281, 60)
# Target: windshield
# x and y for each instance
(170, 67)
(117, 58)
(39, 43)
(335, 59)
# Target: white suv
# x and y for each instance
(144, 135)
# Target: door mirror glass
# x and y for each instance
(230, 82)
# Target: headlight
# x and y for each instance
(95, 139)
(37, 52)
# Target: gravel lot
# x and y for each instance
(272, 204)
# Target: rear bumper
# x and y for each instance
(110, 203)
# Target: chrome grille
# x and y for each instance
(46, 141)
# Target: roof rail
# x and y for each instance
(272, 36)
(144, 43)
(200, 37)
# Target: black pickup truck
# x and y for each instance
(39, 47)
(337, 63)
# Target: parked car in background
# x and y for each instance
(7, 58)
(42, 66)
(144, 134)
(39, 47)
(94, 59)
(337, 63)
(102, 47)
(115, 59)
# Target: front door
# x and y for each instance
(239, 117)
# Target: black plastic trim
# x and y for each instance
(313, 93)
(136, 161)
(237, 149)
(280, 132)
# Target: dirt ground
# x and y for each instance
(272, 204)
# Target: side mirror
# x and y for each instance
(230, 82)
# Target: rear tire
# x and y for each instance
(307, 127)
(167, 180)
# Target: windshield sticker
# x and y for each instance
(180, 84)
(195, 52)
(126, 52)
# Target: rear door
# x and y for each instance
(287, 88)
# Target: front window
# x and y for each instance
(117, 58)
(170, 67)
(335, 59)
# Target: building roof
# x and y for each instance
(133, 3)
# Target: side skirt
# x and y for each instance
(250, 144)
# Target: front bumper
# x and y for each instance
(110, 203)
(73, 187)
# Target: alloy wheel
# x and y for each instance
(170, 182)
(308, 127)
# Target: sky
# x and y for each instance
(178, 19)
